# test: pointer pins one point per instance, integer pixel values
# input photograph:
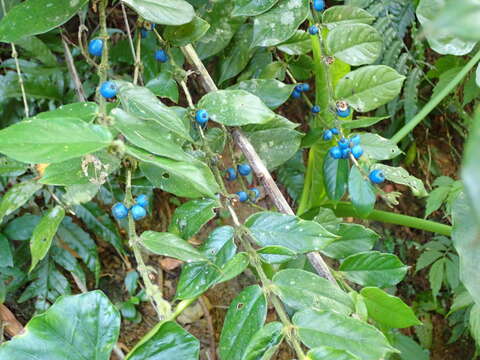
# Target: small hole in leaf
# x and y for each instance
(239, 306)
(166, 175)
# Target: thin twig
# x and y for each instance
(73, 71)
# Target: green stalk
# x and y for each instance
(410, 125)
(346, 209)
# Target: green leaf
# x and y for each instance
(401, 176)
(271, 228)
(167, 244)
(329, 353)
(353, 239)
(427, 258)
(361, 192)
(142, 103)
(276, 254)
(435, 276)
(436, 198)
(299, 44)
(187, 179)
(252, 8)
(6, 258)
(53, 140)
(441, 40)
(369, 87)
(188, 33)
(335, 176)
(49, 336)
(17, 196)
(235, 108)
(409, 348)
(361, 122)
(216, 139)
(37, 49)
(325, 328)
(466, 239)
(475, 322)
(164, 85)
(67, 261)
(246, 315)
(148, 135)
(264, 343)
(21, 227)
(43, 234)
(379, 148)
(301, 289)
(87, 111)
(275, 146)
(34, 17)
(10, 167)
(195, 279)
(165, 12)
(388, 310)
(373, 268)
(234, 267)
(279, 23)
(272, 92)
(189, 218)
(169, 341)
(355, 44)
(471, 167)
(341, 15)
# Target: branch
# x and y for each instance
(73, 71)
(258, 167)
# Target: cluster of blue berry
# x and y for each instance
(244, 170)
(138, 211)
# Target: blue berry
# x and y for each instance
(355, 140)
(144, 33)
(315, 109)
(357, 151)
(201, 116)
(335, 131)
(244, 169)
(119, 211)
(296, 94)
(335, 152)
(299, 88)
(313, 30)
(95, 47)
(231, 174)
(319, 5)
(305, 87)
(343, 143)
(346, 153)
(327, 135)
(142, 200)
(242, 196)
(161, 55)
(108, 90)
(256, 194)
(343, 113)
(376, 176)
(138, 212)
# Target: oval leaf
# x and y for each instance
(329, 353)
(17, 196)
(167, 244)
(361, 192)
(264, 342)
(165, 12)
(272, 92)
(353, 239)
(344, 14)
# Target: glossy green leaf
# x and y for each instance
(10, 167)
(401, 176)
(301, 289)
(188, 179)
(17, 196)
(441, 39)
(299, 44)
(70, 328)
(167, 244)
(252, 8)
(354, 238)
(87, 111)
(276, 254)
(264, 342)
(21, 227)
(165, 12)
(34, 17)
(195, 279)
(279, 23)
(170, 341)
(329, 353)
(80, 194)
(142, 103)
(37, 49)
(470, 165)
(361, 122)
(388, 310)
(271, 228)
(373, 268)
(234, 267)
(53, 140)
(335, 176)
(187, 33)
(325, 328)
(189, 218)
(369, 87)
(361, 192)
(216, 139)
(409, 348)
(43, 234)
(341, 15)
(275, 146)
(246, 315)
(164, 85)
(272, 92)
(235, 108)
(220, 246)
(6, 258)
(355, 44)
(148, 135)
(379, 148)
